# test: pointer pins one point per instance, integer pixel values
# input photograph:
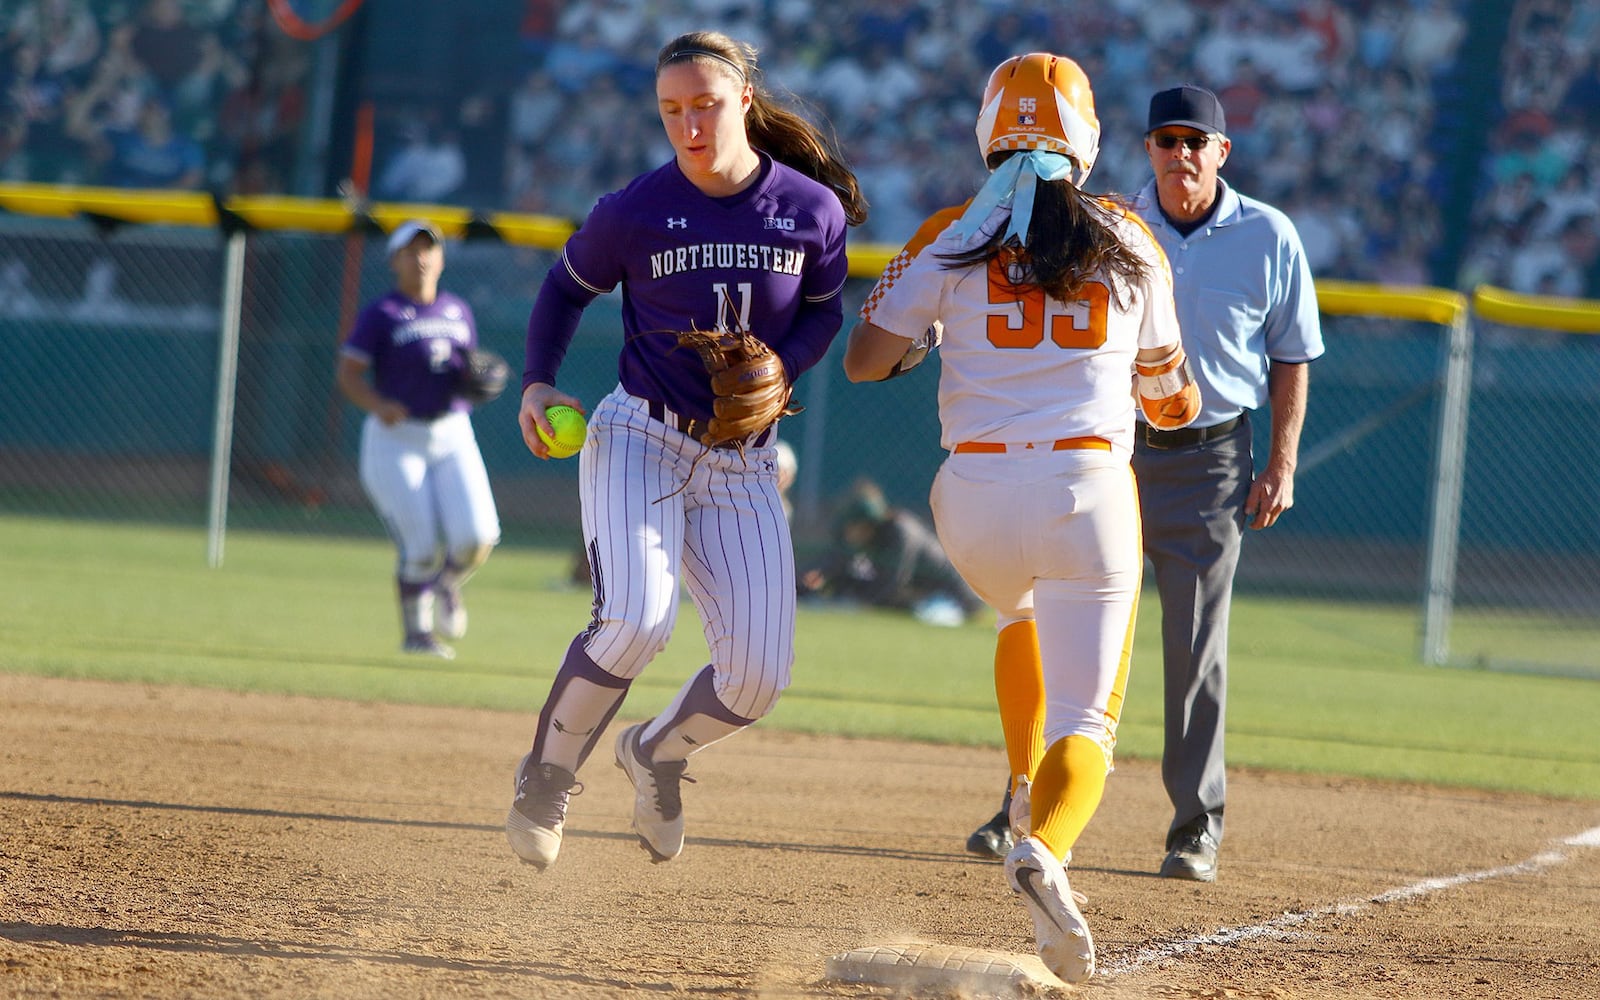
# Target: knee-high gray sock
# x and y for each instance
(696, 719)
(582, 701)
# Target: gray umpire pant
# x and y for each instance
(1191, 501)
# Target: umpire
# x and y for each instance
(1250, 325)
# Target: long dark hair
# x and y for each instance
(781, 133)
(1070, 241)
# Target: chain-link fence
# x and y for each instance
(109, 408)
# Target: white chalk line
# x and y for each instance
(1288, 923)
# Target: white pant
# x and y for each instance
(724, 535)
(428, 483)
(1051, 535)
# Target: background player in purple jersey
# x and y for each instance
(749, 218)
(420, 462)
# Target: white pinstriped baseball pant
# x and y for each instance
(724, 536)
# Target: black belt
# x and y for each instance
(697, 428)
(1187, 437)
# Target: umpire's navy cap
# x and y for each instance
(1188, 105)
(407, 231)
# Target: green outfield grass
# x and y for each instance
(1320, 687)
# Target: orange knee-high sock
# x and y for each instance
(1019, 689)
(1067, 790)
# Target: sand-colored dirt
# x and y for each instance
(170, 842)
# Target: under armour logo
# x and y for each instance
(677, 223)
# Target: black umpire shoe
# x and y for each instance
(1193, 857)
(993, 839)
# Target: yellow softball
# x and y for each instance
(570, 428)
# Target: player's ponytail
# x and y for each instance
(1070, 241)
(782, 133)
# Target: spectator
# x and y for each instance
(572, 61)
(1557, 266)
(886, 557)
(1378, 39)
(1127, 56)
(1537, 75)
(169, 48)
(149, 155)
(1580, 103)
(36, 100)
(1166, 21)
(1430, 34)
(1574, 196)
(1289, 54)
(617, 25)
(426, 169)
(481, 133)
(1526, 153)
(536, 105)
(1325, 111)
(1333, 26)
(1248, 93)
(1327, 231)
(66, 33)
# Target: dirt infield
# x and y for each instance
(167, 842)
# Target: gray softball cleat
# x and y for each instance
(539, 811)
(657, 797)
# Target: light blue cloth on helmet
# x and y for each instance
(1013, 182)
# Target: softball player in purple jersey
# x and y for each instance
(420, 463)
(745, 226)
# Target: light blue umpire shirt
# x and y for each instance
(1244, 295)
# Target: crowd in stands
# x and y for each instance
(1331, 104)
(1536, 220)
(1351, 115)
(183, 94)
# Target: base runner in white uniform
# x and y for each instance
(744, 227)
(1053, 313)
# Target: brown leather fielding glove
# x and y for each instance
(747, 377)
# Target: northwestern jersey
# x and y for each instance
(1016, 370)
(761, 259)
(415, 350)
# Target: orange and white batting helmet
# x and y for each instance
(1040, 101)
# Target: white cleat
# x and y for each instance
(1062, 934)
(539, 811)
(452, 612)
(657, 797)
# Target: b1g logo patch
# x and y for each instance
(787, 225)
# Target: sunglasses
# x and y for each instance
(1193, 143)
